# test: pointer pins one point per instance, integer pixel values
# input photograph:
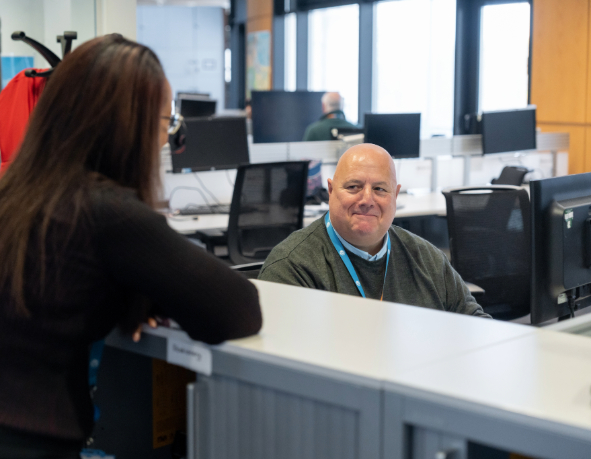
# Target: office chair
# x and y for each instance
(490, 245)
(511, 175)
(250, 270)
(267, 206)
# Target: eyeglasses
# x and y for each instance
(175, 123)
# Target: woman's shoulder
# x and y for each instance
(103, 190)
(110, 202)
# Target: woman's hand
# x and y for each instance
(151, 321)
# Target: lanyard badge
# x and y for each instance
(338, 245)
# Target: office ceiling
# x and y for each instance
(220, 3)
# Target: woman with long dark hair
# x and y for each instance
(82, 250)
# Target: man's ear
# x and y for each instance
(329, 182)
(398, 190)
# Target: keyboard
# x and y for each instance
(204, 210)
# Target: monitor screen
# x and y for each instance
(508, 131)
(283, 116)
(399, 134)
(191, 108)
(561, 246)
(212, 143)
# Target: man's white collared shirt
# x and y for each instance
(361, 253)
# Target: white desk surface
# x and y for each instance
(421, 205)
(516, 368)
(545, 374)
(189, 225)
(412, 206)
(366, 338)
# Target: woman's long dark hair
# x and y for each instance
(98, 116)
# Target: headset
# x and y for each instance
(177, 134)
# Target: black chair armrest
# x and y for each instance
(250, 270)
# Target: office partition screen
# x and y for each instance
(212, 143)
(509, 130)
(283, 116)
(398, 133)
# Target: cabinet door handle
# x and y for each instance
(446, 454)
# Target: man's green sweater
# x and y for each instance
(320, 130)
(418, 273)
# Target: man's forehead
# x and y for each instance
(374, 171)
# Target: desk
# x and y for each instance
(340, 376)
(411, 206)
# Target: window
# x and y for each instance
(414, 61)
(504, 56)
(333, 54)
(290, 51)
(227, 65)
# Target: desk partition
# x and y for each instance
(465, 146)
(335, 376)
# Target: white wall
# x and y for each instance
(44, 20)
(26, 15)
(68, 15)
(116, 16)
(190, 44)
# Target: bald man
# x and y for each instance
(334, 117)
(354, 249)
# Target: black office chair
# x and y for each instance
(267, 206)
(511, 175)
(490, 245)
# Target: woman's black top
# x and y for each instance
(102, 271)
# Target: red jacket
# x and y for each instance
(17, 101)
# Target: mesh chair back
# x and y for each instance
(511, 175)
(267, 206)
(490, 245)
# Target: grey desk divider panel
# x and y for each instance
(268, 408)
(255, 409)
(251, 408)
(415, 421)
(256, 404)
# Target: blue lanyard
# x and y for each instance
(341, 251)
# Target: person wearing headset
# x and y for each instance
(83, 250)
(332, 107)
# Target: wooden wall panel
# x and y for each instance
(588, 114)
(260, 23)
(259, 17)
(578, 142)
(258, 8)
(560, 54)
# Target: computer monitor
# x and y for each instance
(283, 116)
(192, 108)
(509, 131)
(398, 133)
(212, 144)
(561, 246)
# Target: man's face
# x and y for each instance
(362, 197)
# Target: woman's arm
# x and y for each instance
(138, 248)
